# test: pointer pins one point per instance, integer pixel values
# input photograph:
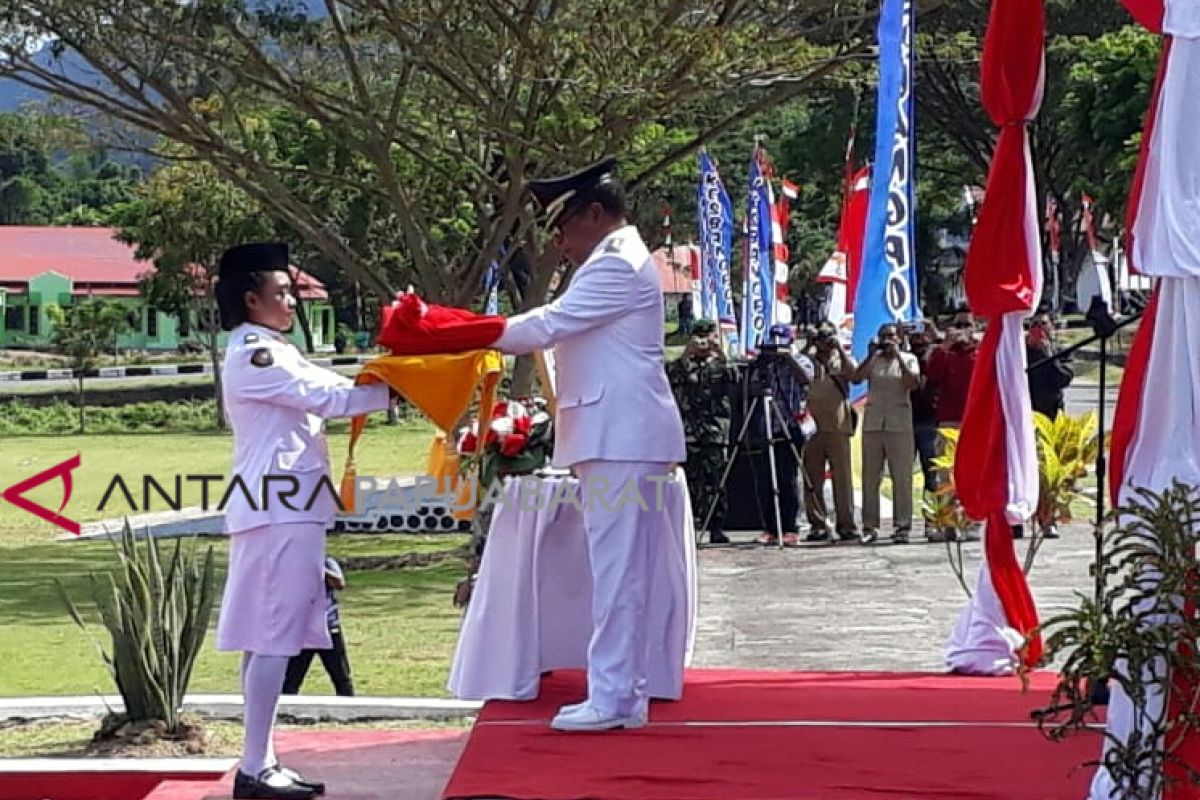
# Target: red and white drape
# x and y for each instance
(996, 473)
(1156, 429)
(782, 313)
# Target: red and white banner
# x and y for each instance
(842, 268)
(1156, 427)
(996, 470)
(779, 248)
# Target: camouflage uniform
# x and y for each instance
(703, 384)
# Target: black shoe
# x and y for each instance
(317, 786)
(246, 787)
(819, 535)
(718, 537)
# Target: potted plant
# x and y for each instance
(1132, 634)
(1066, 449)
(155, 606)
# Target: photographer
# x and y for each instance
(787, 379)
(892, 376)
(703, 383)
(948, 371)
(829, 405)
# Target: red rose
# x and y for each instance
(523, 425)
(500, 410)
(490, 439)
(513, 444)
(468, 443)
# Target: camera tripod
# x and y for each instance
(765, 396)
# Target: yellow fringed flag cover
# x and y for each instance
(440, 386)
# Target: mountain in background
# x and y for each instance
(14, 95)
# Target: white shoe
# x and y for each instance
(571, 709)
(584, 717)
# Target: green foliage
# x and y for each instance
(184, 416)
(1066, 449)
(176, 416)
(50, 175)
(156, 612)
(84, 330)
(1134, 635)
(396, 139)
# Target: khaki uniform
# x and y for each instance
(830, 410)
(888, 437)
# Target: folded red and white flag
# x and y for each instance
(412, 327)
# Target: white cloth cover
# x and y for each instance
(982, 642)
(530, 611)
(1166, 446)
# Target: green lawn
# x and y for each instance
(400, 625)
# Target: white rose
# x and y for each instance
(502, 426)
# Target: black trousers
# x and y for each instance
(336, 662)
(786, 476)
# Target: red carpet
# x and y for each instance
(748, 735)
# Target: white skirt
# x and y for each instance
(274, 601)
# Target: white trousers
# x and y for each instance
(624, 514)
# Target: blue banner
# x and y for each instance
(715, 215)
(887, 284)
(758, 267)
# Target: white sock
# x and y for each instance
(264, 684)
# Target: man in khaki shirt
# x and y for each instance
(892, 375)
(829, 406)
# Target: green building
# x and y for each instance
(47, 265)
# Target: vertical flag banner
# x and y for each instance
(887, 288)
(1054, 237)
(779, 222)
(996, 467)
(758, 263)
(715, 217)
(491, 285)
(694, 271)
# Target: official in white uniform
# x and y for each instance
(281, 498)
(617, 424)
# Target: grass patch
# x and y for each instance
(401, 626)
(69, 739)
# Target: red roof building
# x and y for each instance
(95, 262)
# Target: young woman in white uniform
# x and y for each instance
(276, 402)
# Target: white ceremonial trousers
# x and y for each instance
(624, 516)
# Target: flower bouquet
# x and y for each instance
(519, 440)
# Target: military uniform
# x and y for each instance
(703, 388)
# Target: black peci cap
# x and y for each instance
(255, 257)
(556, 195)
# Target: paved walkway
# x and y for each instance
(850, 607)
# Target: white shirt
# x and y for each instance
(276, 401)
(614, 402)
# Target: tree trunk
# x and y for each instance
(302, 317)
(80, 374)
(545, 265)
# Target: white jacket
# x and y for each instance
(276, 401)
(614, 401)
